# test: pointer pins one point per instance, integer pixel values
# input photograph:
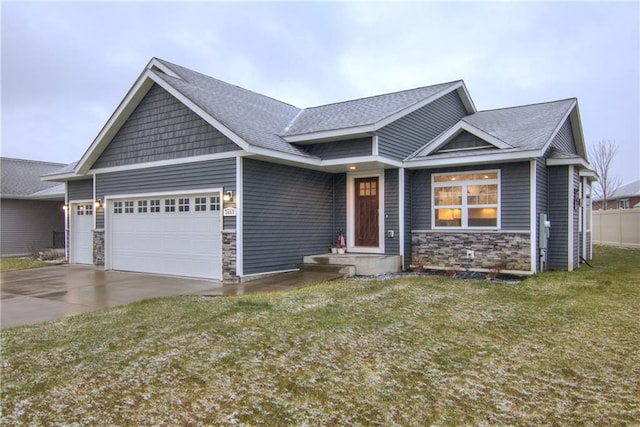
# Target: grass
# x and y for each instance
(557, 349)
(11, 264)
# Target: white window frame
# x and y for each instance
(623, 204)
(142, 206)
(464, 207)
(184, 204)
(155, 206)
(129, 207)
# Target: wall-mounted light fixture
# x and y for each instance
(228, 196)
(65, 207)
(99, 203)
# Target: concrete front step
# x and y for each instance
(365, 264)
(346, 270)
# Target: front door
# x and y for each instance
(366, 211)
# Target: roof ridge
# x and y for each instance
(42, 162)
(527, 105)
(171, 64)
(381, 95)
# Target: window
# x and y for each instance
(466, 200)
(128, 206)
(170, 205)
(622, 204)
(200, 204)
(142, 206)
(88, 209)
(214, 203)
(80, 210)
(154, 206)
(117, 207)
(183, 205)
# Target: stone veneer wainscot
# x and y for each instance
(504, 250)
(229, 257)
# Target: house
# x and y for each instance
(193, 176)
(31, 215)
(624, 197)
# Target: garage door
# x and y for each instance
(174, 235)
(81, 226)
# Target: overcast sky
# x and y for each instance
(66, 66)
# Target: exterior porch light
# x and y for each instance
(65, 207)
(99, 203)
(228, 196)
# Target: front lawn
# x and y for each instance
(11, 264)
(556, 349)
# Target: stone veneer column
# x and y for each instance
(98, 247)
(229, 257)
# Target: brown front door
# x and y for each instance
(366, 212)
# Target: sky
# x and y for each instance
(66, 65)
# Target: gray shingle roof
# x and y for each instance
(631, 189)
(21, 178)
(526, 127)
(360, 112)
(263, 121)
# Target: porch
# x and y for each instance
(352, 264)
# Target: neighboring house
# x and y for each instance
(31, 215)
(198, 177)
(624, 197)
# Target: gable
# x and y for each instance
(564, 140)
(464, 141)
(162, 128)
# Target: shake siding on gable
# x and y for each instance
(514, 198)
(80, 190)
(184, 177)
(404, 136)
(287, 213)
(391, 220)
(342, 149)
(558, 181)
(162, 128)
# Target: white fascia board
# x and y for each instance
(362, 159)
(170, 162)
(472, 159)
(568, 161)
(154, 63)
(467, 101)
(329, 135)
(558, 127)
(578, 135)
(131, 100)
(589, 174)
(452, 132)
(61, 177)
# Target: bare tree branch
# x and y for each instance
(601, 155)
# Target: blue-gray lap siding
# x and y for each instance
(162, 128)
(404, 136)
(465, 140)
(80, 190)
(28, 225)
(542, 199)
(174, 178)
(287, 213)
(558, 196)
(342, 149)
(408, 179)
(564, 139)
(391, 211)
(515, 195)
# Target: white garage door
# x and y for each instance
(175, 235)
(81, 223)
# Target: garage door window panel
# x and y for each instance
(170, 205)
(183, 204)
(154, 206)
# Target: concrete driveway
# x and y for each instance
(50, 293)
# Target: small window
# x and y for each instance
(170, 205)
(214, 203)
(183, 204)
(88, 209)
(80, 210)
(117, 207)
(142, 206)
(623, 204)
(466, 200)
(200, 204)
(128, 206)
(154, 206)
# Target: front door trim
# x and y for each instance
(351, 177)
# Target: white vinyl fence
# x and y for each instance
(617, 227)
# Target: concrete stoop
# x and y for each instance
(355, 264)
